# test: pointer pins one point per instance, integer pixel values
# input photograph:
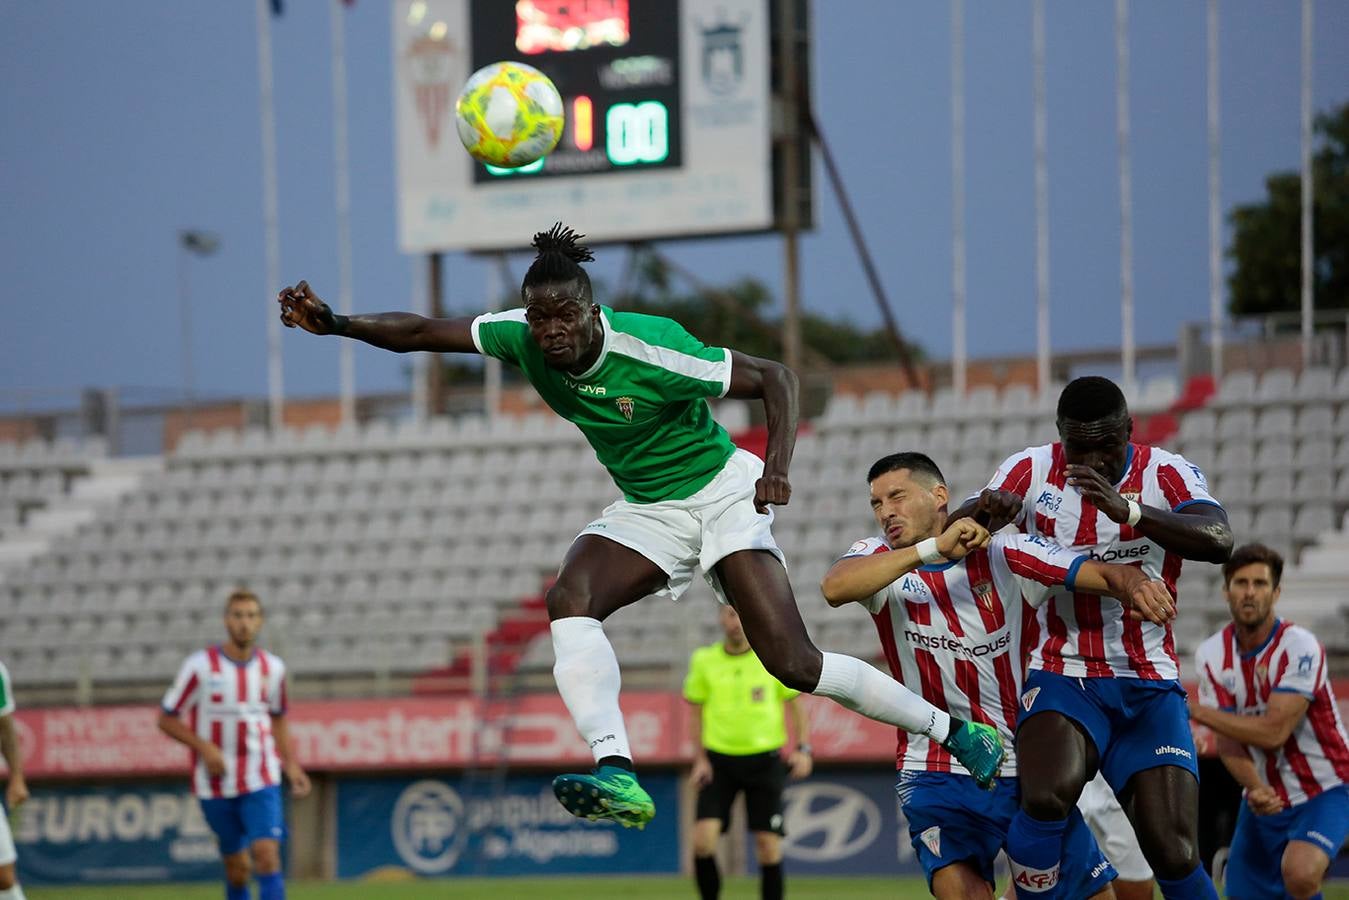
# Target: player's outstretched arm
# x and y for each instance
(400, 332)
(1199, 531)
(859, 578)
(1145, 598)
(777, 386)
(1268, 731)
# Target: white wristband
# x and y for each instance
(1135, 512)
(928, 552)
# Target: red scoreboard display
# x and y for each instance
(617, 67)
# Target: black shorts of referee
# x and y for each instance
(760, 775)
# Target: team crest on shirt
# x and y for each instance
(1135, 496)
(1028, 698)
(1304, 664)
(756, 693)
(1262, 674)
(625, 406)
(983, 592)
(931, 837)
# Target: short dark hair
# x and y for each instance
(1249, 554)
(1092, 398)
(242, 595)
(917, 463)
(559, 259)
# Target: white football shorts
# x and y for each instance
(1114, 832)
(678, 535)
(7, 853)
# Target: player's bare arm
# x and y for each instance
(400, 332)
(299, 780)
(1268, 731)
(1199, 532)
(994, 510)
(17, 790)
(858, 578)
(777, 386)
(800, 762)
(1146, 598)
(210, 754)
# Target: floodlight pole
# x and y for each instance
(791, 169)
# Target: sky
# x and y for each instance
(121, 123)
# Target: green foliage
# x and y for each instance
(1266, 243)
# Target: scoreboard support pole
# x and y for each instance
(791, 168)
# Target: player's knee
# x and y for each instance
(7, 879)
(1301, 880)
(1049, 800)
(705, 838)
(266, 857)
(237, 870)
(1172, 856)
(565, 600)
(797, 668)
(767, 848)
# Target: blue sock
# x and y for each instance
(236, 893)
(1195, 886)
(271, 887)
(1035, 849)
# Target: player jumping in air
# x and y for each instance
(637, 386)
(1103, 690)
(952, 629)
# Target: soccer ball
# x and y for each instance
(509, 115)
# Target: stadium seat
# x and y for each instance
(1315, 384)
(1312, 520)
(1237, 389)
(1276, 386)
(1237, 424)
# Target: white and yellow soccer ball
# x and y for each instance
(509, 115)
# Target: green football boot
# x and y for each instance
(979, 749)
(609, 792)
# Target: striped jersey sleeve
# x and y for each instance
(1182, 483)
(866, 547)
(276, 691)
(1015, 476)
(501, 335)
(185, 688)
(6, 692)
(687, 369)
(1038, 563)
(1208, 675)
(1303, 668)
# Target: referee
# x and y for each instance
(739, 731)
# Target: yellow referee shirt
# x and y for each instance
(741, 703)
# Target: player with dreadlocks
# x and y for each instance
(637, 386)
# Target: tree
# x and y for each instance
(1266, 243)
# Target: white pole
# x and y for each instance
(1041, 117)
(1215, 273)
(342, 171)
(958, 350)
(1307, 182)
(421, 304)
(272, 237)
(1126, 211)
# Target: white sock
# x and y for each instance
(14, 893)
(861, 688)
(586, 672)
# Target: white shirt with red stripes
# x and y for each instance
(231, 705)
(953, 633)
(1315, 758)
(1079, 634)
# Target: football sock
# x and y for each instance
(1195, 886)
(271, 887)
(770, 882)
(1034, 849)
(13, 893)
(864, 689)
(708, 877)
(237, 893)
(587, 676)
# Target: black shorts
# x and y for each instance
(761, 776)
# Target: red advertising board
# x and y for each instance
(533, 730)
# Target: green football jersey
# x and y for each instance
(642, 405)
(6, 692)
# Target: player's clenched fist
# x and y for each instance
(302, 308)
(997, 509)
(774, 490)
(962, 537)
(1152, 601)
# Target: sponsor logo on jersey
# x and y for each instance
(1035, 881)
(931, 838)
(1122, 553)
(1049, 500)
(1168, 750)
(594, 390)
(1028, 698)
(954, 645)
(914, 589)
(625, 406)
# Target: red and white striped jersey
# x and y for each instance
(231, 704)
(1080, 634)
(953, 633)
(1315, 757)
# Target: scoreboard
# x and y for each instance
(670, 122)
